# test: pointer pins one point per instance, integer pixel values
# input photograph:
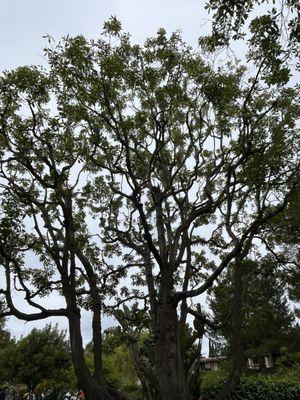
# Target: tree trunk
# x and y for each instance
(137, 367)
(97, 340)
(96, 311)
(86, 382)
(194, 378)
(170, 368)
(236, 346)
(92, 389)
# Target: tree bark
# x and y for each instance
(170, 367)
(236, 345)
(93, 390)
(96, 308)
(86, 382)
(97, 343)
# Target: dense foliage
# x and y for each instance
(145, 163)
(267, 320)
(272, 29)
(43, 355)
(257, 389)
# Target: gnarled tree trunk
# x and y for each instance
(170, 367)
(93, 389)
(89, 385)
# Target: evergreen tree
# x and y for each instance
(267, 321)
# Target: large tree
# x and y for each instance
(180, 164)
(195, 162)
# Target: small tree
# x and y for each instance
(43, 354)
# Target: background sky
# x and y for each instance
(25, 22)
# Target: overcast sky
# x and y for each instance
(25, 22)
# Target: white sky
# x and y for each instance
(25, 22)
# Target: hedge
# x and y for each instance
(257, 389)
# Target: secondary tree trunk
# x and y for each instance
(89, 385)
(96, 312)
(170, 368)
(236, 346)
(93, 390)
(97, 337)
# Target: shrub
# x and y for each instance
(133, 391)
(257, 388)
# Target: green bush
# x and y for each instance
(212, 379)
(257, 388)
(133, 391)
